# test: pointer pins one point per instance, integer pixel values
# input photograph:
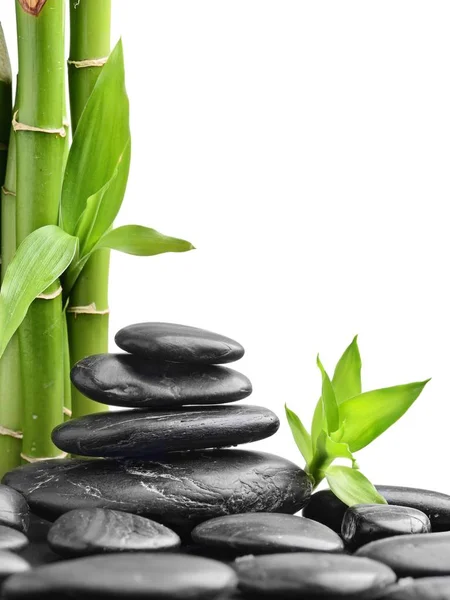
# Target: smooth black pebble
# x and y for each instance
(152, 433)
(14, 510)
(12, 540)
(183, 490)
(424, 555)
(428, 588)
(326, 508)
(178, 343)
(10, 564)
(85, 531)
(264, 533)
(126, 576)
(365, 523)
(130, 381)
(305, 575)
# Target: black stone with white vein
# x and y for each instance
(132, 382)
(122, 576)
(14, 510)
(170, 342)
(152, 433)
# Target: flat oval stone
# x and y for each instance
(10, 564)
(365, 523)
(424, 555)
(263, 533)
(153, 433)
(126, 576)
(181, 491)
(304, 574)
(326, 508)
(169, 342)
(12, 540)
(85, 531)
(126, 380)
(14, 510)
(427, 588)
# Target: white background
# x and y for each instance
(304, 148)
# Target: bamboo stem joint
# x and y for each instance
(89, 62)
(14, 434)
(17, 126)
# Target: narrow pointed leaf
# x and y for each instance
(332, 449)
(330, 407)
(368, 415)
(141, 241)
(39, 261)
(301, 436)
(352, 487)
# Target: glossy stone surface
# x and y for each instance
(87, 531)
(424, 555)
(164, 576)
(305, 575)
(126, 380)
(365, 523)
(153, 433)
(329, 510)
(178, 343)
(427, 588)
(183, 491)
(14, 510)
(12, 540)
(263, 533)
(11, 564)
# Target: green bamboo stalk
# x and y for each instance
(40, 163)
(90, 24)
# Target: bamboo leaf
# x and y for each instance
(352, 487)
(39, 261)
(330, 407)
(301, 436)
(368, 415)
(100, 138)
(331, 449)
(141, 241)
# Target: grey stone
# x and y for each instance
(306, 575)
(264, 533)
(178, 343)
(85, 531)
(126, 380)
(427, 588)
(365, 523)
(10, 564)
(153, 433)
(14, 510)
(123, 576)
(12, 540)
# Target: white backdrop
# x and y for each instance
(303, 147)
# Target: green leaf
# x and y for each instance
(301, 436)
(330, 407)
(328, 447)
(352, 487)
(99, 141)
(39, 261)
(368, 415)
(141, 241)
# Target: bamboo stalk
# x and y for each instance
(90, 24)
(40, 163)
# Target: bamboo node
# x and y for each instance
(88, 62)
(34, 459)
(23, 127)
(14, 434)
(7, 192)
(51, 296)
(89, 309)
(67, 411)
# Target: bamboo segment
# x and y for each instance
(40, 162)
(88, 328)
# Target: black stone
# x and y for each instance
(14, 510)
(120, 576)
(10, 564)
(12, 540)
(126, 380)
(326, 508)
(365, 523)
(178, 343)
(306, 575)
(424, 555)
(428, 588)
(182, 491)
(85, 531)
(152, 433)
(263, 533)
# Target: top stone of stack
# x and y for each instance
(169, 342)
